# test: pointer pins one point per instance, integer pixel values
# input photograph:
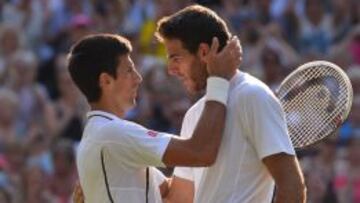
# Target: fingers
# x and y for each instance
(214, 46)
(227, 60)
(232, 46)
(229, 46)
(213, 50)
(237, 52)
(239, 45)
(233, 51)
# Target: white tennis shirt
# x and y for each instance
(255, 128)
(128, 149)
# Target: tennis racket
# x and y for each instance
(317, 99)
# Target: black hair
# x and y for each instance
(93, 55)
(193, 25)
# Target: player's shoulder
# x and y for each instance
(196, 108)
(250, 87)
(122, 126)
(103, 129)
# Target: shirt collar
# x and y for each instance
(103, 114)
(236, 78)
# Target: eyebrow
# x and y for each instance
(172, 56)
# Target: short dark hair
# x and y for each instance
(193, 25)
(92, 56)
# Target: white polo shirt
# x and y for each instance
(128, 149)
(255, 128)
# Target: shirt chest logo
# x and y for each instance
(152, 133)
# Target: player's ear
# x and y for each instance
(104, 80)
(203, 50)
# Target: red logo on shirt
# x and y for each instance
(152, 133)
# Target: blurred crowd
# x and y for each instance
(42, 113)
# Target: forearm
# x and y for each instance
(180, 191)
(164, 188)
(289, 181)
(290, 194)
(201, 149)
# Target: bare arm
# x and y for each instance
(78, 195)
(289, 180)
(202, 148)
(180, 191)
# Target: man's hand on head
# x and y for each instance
(224, 63)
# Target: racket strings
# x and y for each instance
(312, 100)
(318, 127)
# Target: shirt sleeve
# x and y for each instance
(265, 121)
(133, 144)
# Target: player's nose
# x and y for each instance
(173, 69)
(138, 77)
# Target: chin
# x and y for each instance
(192, 90)
(131, 104)
(190, 87)
(198, 87)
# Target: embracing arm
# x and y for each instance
(180, 190)
(289, 180)
(201, 149)
(78, 194)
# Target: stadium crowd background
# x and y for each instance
(42, 114)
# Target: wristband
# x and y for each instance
(217, 89)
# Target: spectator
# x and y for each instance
(341, 21)
(315, 29)
(35, 186)
(35, 110)
(319, 172)
(39, 105)
(352, 126)
(11, 41)
(15, 155)
(5, 196)
(27, 15)
(348, 179)
(70, 107)
(64, 177)
(8, 125)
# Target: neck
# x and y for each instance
(234, 73)
(108, 107)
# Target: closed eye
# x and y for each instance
(176, 59)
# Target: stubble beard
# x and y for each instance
(198, 77)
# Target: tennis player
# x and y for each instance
(114, 155)
(256, 153)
